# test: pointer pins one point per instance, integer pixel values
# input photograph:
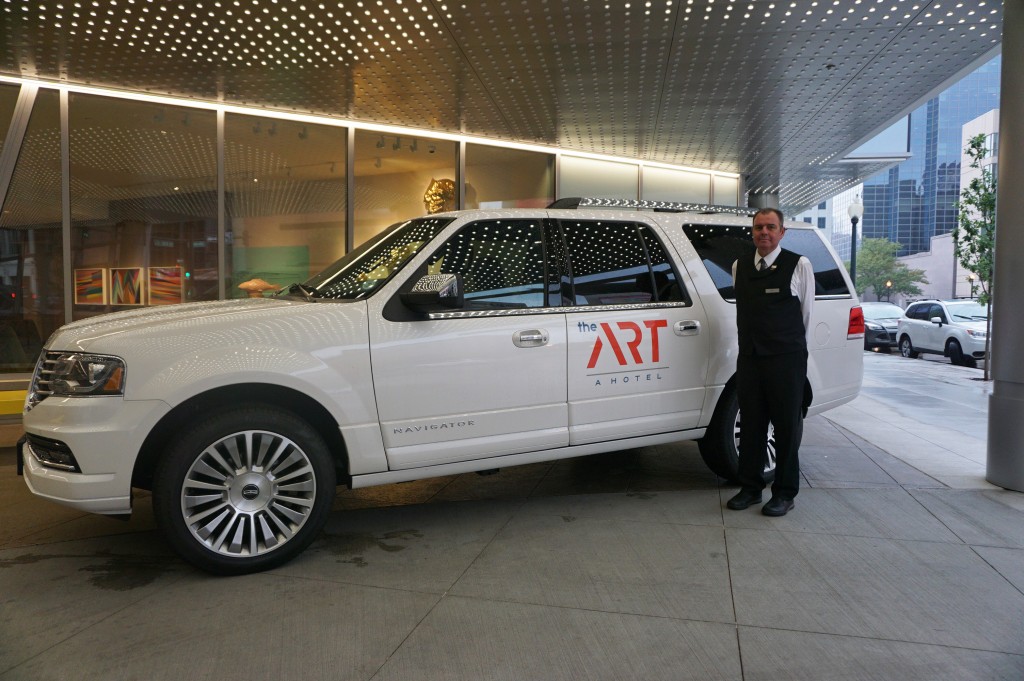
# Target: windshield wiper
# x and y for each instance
(310, 294)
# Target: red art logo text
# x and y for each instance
(629, 335)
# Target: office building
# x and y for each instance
(916, 200)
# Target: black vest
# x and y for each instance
(768, 316)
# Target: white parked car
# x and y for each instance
(456, 342)
(953, 328)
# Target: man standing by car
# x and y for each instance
(774, 295)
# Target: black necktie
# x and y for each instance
(762, 265)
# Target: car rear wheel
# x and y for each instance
(719, 448)
(247, 489)
(907, 348)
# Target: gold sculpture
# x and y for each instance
(440, 196)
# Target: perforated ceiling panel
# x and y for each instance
(775, 90)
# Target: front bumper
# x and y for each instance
(975, 347)
(104, 434)
(879, 338)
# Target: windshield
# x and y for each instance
(358, 274)
(967, 312)
(882, 311)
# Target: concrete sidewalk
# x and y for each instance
(898, 562)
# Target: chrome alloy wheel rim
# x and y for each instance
(769, 464)
(248, 493)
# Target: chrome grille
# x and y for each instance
(42, 378)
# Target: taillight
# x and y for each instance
(856, 327)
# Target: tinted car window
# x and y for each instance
(667, 287)
(719, 246)
(618, 263)
(501, 263)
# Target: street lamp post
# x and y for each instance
(855, 211)
(888, 290)
(971, 277)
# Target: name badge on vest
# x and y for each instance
(771, 290)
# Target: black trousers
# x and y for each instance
(771, 389)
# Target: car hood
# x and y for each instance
(172, 352)
(85, 334)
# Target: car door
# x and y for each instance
(934, 334)
(638, 342)
(485, 380)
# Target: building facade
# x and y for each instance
(113, 202)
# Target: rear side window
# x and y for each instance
(719, 246)
(619, 263)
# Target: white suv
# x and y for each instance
(953, 328)
(456, 342)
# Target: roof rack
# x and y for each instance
(645, 204)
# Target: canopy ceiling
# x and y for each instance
(778, 91)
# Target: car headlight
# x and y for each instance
(75, 374)
(976, 334)
(873, 326)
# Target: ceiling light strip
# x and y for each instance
(342, 123)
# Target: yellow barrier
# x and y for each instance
(11, 402)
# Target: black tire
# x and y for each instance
(720, 445)
(907, 348)
(245, 490)
(956, 354)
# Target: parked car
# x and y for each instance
(456, 342)
(880, 322)
(952, 328)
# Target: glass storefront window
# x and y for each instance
(397, 176)
(508, 178)
(591, 177)
(143, 204)
(31, 244)
(667, 184)
(726, 191)
(285, 197)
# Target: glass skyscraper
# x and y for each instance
(916, 200)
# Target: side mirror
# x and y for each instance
(434, 290)
(936, 320)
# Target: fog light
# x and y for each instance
(52, 454)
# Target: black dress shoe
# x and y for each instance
(743, 500)
(778, 506)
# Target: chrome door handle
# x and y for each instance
(531, 338)
(690, 327)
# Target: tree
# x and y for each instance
(974, 236)
(877, 264)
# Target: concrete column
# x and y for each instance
(1006, 404)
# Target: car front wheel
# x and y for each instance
(956, 354)
(719, 448)
(247, 489)
(907, 348)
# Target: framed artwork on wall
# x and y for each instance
(126, 286)
(91, 286)
(165, 285)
